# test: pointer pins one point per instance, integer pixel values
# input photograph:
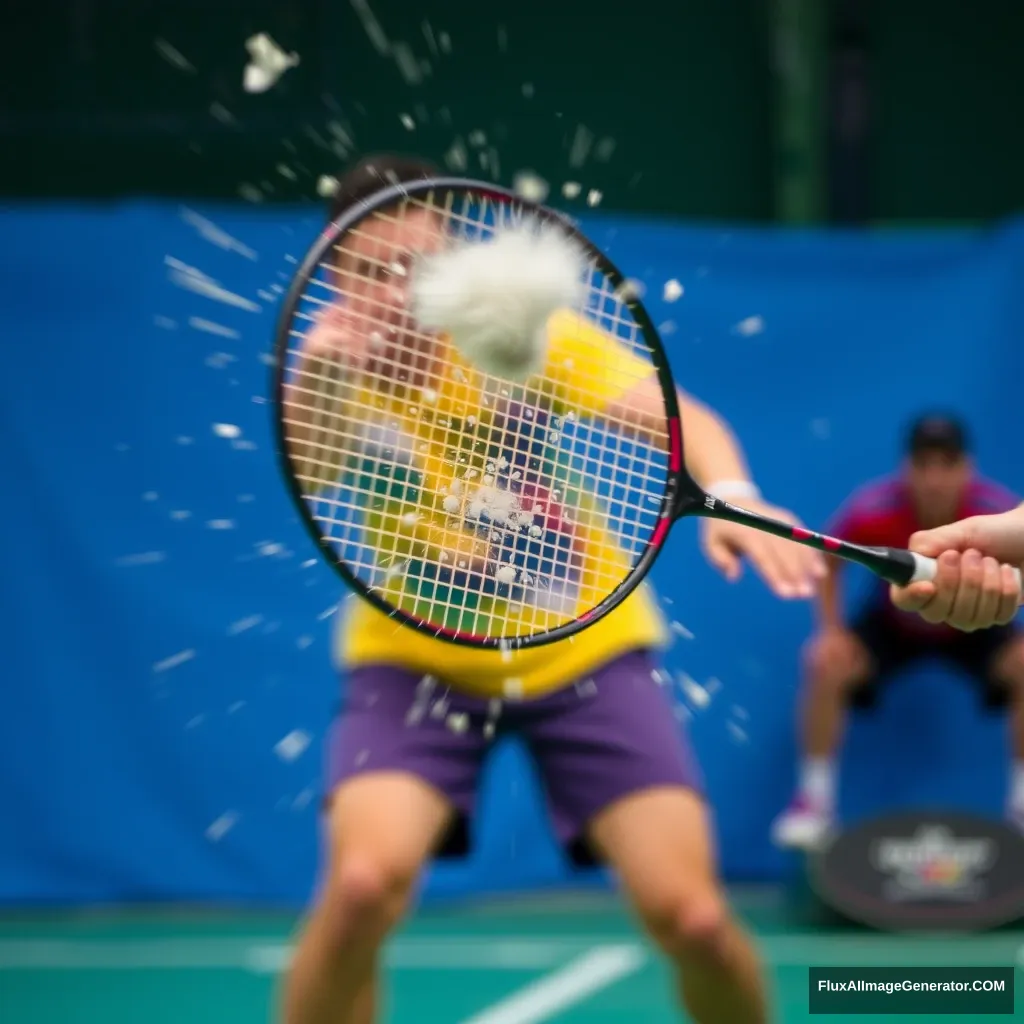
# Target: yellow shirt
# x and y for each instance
(448, 454)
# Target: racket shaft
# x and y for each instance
(892, 564)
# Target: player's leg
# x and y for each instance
(398, 780)
(836, 665)
(659, 842)
(617, 771)
(996, 656)
(381, 829)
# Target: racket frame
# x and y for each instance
(670, 507)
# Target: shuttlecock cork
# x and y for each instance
(494, 298)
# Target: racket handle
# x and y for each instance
(925, 569)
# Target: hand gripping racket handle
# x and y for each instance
(895, 565)
(924, 569)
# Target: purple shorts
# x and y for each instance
(611, 734)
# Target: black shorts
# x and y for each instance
(892, 649)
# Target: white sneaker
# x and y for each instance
(801, 826)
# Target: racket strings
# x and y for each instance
(608, 304)
(607, 307)
(457, 509)
(353, 507)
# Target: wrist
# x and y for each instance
(737, 488)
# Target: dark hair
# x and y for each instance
(938, 432)
(370, 174)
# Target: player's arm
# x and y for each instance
(314, 420)
(830, 597)
(318, 396)
(602, 377)
(620, 387)
(713, 453)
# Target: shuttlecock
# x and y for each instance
(494, 298)
(268, 62)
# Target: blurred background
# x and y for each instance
(834, 184)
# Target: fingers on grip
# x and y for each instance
(925, 570)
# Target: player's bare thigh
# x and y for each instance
(1008, 663)
(382, 827)
(660, 843)
(838, 660)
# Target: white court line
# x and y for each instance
(569, 985)
(268, 954)
(444, 954)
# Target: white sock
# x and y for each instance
(1017, 785)
(818, 782)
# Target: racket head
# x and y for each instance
(314, 287)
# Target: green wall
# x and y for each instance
(674, 97)
(949, 109)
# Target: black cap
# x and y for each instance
(937, 432)
(371, 174)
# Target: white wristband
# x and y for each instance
(734, 489)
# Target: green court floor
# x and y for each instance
(572, 959)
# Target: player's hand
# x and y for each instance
(790, 570)
(339, 337)
(972, 589)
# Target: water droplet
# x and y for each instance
(750, 326)
(218, 829)
(292, 746)
(458, 722)
(506, 574)
(512, 689)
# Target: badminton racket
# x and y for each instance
(478, 422)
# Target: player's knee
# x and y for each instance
(825, 671)
(364, 899)
(691, 928)
(1009, 668)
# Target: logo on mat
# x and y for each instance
(935, 863)
(936, 871)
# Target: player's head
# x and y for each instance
(938, 466)
(370, 174)
(372, 260)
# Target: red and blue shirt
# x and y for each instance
(882, 514)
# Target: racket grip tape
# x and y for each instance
(925, 569)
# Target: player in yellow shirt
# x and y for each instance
(621, 782)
